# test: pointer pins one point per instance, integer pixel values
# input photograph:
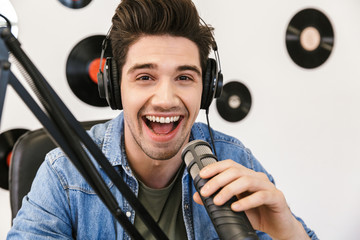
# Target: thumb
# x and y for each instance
(197, 198)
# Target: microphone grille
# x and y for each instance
(194, 171)
(197, 149)
(187, 157)
(202, 149)
(207, 161)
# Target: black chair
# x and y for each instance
(28, 153)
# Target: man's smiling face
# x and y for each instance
(161, 88)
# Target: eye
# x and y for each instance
(184, 78)
(144, 78)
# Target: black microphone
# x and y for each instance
(228, 224)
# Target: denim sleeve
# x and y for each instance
(45, 211)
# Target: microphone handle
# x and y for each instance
(229, 225)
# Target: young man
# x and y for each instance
(161, 50)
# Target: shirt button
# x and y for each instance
(186, 206)
(128, 214)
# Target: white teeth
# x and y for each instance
(163, 119)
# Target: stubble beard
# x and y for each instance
(159, 151)
(164, 152)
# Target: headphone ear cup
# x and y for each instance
(115, 86)
(209, 76)
(101, 84)
(111, 85)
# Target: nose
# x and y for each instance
(165, 94)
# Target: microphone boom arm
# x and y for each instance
(69, 135)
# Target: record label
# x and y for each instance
(309, 38)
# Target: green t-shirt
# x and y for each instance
(164, 205)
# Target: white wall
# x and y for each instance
(303, 125)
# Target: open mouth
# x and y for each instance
(162, 125)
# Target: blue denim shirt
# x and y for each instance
(61, 204)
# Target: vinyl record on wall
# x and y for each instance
(235, 101)
(7, 142)
(82, 67)
(75, 4)
(309, 38)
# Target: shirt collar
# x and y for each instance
(113, 145)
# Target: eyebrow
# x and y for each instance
(154, 66)
(141, 66)
(189, 67)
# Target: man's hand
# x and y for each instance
(262, 202)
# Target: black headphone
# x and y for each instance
(109, 79)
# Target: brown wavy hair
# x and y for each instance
(136, 18)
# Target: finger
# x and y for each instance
(252, 201)
(274, 198)
(226, 172)
(244, 186)
(220, 180)
(197, 198)
(215, 168)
